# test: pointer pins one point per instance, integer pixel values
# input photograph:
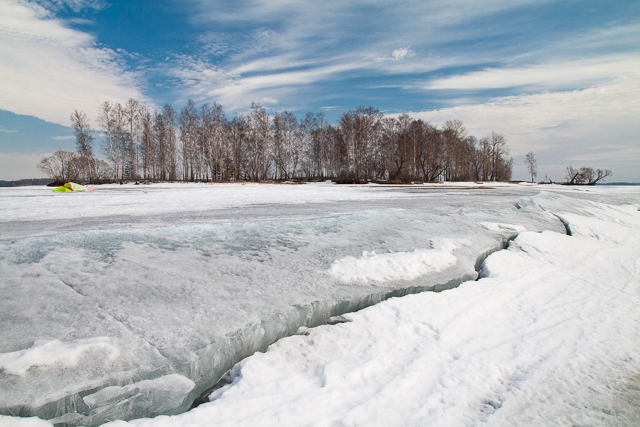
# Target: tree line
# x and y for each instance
(585, 175)
(203, 144)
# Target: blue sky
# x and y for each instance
(560, 78)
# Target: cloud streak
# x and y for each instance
(306, 42)
(547, 76)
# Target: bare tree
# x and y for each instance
(218, 151)
(170, 149)
(258, 135)
(574, 176)
(532, 164)
(65, 166)
(286, 137)
(146, 143)
(84, 140)
(237, 129)
(432, 154)
(585, 175)
(454, 134)
(56, 166)
(132, 115)
(107, 123)
(600, 174)
(84, 134)
(498, 151)
(103, 170)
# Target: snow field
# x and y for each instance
(548, 336)
(163, 199)
(190, 280)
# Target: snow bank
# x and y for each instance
(548, 336)
(376, 268)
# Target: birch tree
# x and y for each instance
(532, 164)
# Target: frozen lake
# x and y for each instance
(132, 301)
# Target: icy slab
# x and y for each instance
(191, 292)
(163, 395)
(173, 385)
(548, 336)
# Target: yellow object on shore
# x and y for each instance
(72, 186)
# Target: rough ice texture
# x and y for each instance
(182, 282)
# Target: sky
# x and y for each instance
(559, 78)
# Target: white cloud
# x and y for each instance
(203, 81)
(302, 40)
(48, 70)
(5, 130)
(401, 53)
(598, 125)
(63, 138)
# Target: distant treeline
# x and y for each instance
(203, 144)
(23, 182)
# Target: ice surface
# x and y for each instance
(188, 280)
(549, 336)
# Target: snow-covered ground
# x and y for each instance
(116, 311)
